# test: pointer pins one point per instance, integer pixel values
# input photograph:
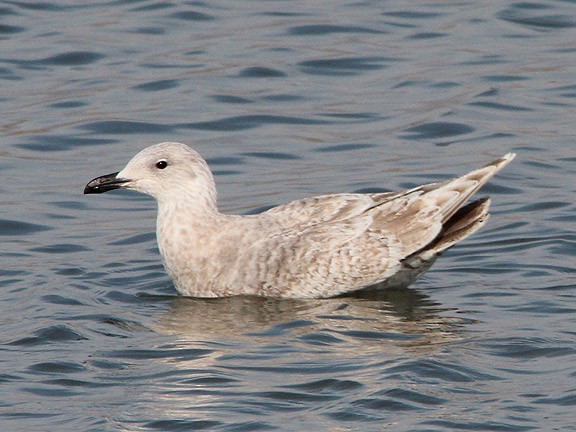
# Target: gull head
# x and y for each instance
(165, 171)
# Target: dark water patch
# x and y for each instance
(5, 11)
(370, 190)
(411, 15)
(50, 392)
(527, 348)
(182, 425)
(343, 148)
(121, 296)
(39, 6)
(499, 106)
(329, 385)
(437, 371)
(70, 271)
(61, 248)
(158, 85)
(284, 14)
(328, 29)
(61, 300)
(56, 334)
(525, 243)
(378, 335)
(237, 123)
(272, 155)
(282, 98)
(107, 365)
(427, 35)
(413, 396)
(218, 173)
(70, 205)
(225, 160)
(8, 74)
(67, 382)
(489, 93)
(11, 273)
(154, 31)
(544, 205)
(504, 78)
(153, 7)
(54, 143)
(289, 399)
(184, 66)
(350, 415)
(445, 84)
(541, 164)
(530, 15)
(261, 72)
(135, 239)
(289, 369)
(384, 405)
(60, 367)
(212, 381)
(9, 378)
(355, 116)
(192, 16)
(68, 104)
(10, 29)
(231, 99)
(7, 282)
(17, 228)
(75, 58)
(568, 400)
(120, 127)
(545, 308)
(435, 130)
(344, 65)
(165, 352)
(482, 60)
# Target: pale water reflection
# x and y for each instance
(397, 319)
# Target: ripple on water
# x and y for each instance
(243, 122)
(121, 127)
(329, 29)
(261, 72)
(48, 142)
(537, 16)
(56, 333)
(159, 85)
(18, 228)
(344, 65)
(435, 130)
(191, 16)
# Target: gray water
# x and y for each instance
(286, 100)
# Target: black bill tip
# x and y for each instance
(105, 183)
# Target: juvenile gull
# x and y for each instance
(322, 246)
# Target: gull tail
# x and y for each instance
(458, 222)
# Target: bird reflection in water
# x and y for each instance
(403, 317)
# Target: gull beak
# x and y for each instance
(105, 183)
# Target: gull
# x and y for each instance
(318, 247)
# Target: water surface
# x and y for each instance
(285, 100)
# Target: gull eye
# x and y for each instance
(161, 164)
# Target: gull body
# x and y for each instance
(322, 246)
